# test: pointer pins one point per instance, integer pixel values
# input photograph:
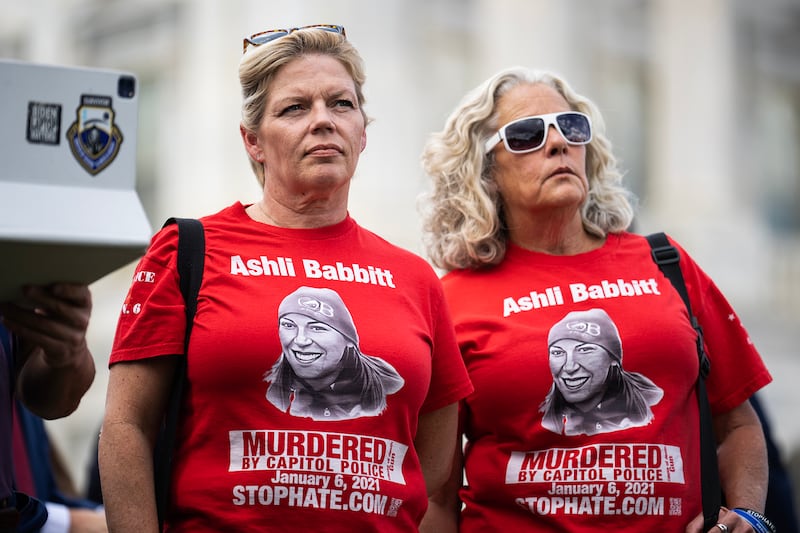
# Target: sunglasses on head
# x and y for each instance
(263, 37)
(530, 133)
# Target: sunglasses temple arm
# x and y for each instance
(493, 141)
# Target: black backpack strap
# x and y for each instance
(191, 256)
(668, 259)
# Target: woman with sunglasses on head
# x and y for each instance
(549, 293)
(308, 455)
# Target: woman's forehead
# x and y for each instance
(530, 99)
(308, 72)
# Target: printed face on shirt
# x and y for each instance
(579, 371)
(314, 349)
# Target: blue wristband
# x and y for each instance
(757, 521)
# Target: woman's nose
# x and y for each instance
(322, 117)
(570, 365)
(555, 143)
(301, 339)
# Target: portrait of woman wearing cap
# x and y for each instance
(321, 372)
(591, 392)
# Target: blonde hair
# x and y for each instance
(260, 64)
(462, 221)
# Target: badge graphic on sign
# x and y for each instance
(93, 137)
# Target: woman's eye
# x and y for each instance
(291, 108)
(344, 103)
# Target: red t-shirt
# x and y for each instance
(279, 438)
(584, 413)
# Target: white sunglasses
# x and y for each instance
(530, 133)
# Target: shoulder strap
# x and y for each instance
(191, 256)
(668, 259)
(191, 259)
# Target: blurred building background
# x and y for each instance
(701, 100)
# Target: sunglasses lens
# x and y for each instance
(267, 37)
(575, 128)
(525, 135)
(328, 27)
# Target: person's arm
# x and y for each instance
(54, 365)
(436, 445)
(444, 505)
(137, 396)
(743, 471)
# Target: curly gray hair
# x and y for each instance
(462, 215)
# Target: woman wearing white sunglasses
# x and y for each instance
(529, 218)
